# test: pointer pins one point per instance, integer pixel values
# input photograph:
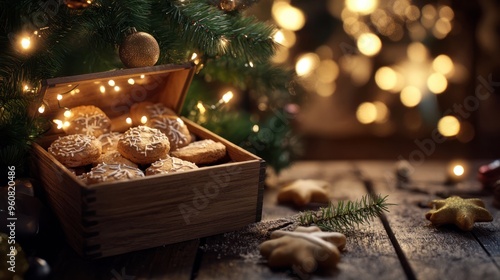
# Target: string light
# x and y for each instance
(111, 83)
(201, 108)
(131, 81)
(41, 109)
(128, 120)
(67, 113)
(102, 89)
(227, 96)
(59, 123)
(144, 119)
(255, 128)
(25, 43)
(59, 97)
(117, 88)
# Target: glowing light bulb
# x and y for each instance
(255, 128)
(59, 97)
(41, 109)
(144, 119)
(25, 43)
(128, 120)
(363, 7)
(67, 113)
(111, 83)
(201, 108)
(194, 56)
(227, 96)
(117, 88)
(366, 113)
(131, 81)
(369, 44)
(102, 89)
(59, 123)
(437, 83)
(458, 170)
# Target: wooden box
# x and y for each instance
(112, 218)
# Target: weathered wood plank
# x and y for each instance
(368, 255)
(168, 262)
(433, 253)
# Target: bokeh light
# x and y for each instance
(417, 52)
(437, 83)
(363, 7)
(410, 96)
(382, 112)
(448, 126)
(306, 63)
(287, 16)
(366, 113)
(443, 64)
(386, 78)
(369, 44)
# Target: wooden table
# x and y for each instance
(401, 244)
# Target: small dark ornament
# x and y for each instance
(139, 49)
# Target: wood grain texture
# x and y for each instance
(432, 252)
(367, 246)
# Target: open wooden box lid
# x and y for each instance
(115, 91)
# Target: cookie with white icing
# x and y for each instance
(169, 165)
(111, 172)
(76, 150)
(88, 120)
(175, 129)
(149, 110)
(201, 152)
(109, 141)
(114, 157)
(143, 145)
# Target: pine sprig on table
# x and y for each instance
(346, 215)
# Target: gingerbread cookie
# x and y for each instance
(114, 157)
(149, 110)
(76, 150)
(303, 192)
(169, 165)
(304, 250)
(201, 152)
(143, 145)
(175, 129)
(111, 172)
(109, 141)
(88, 120)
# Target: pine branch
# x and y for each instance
(346, 215)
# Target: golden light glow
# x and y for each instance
(142, 76)
(443, 64)
(194, 56)
(458, 170)
(437, 83)
(227, 96)
(366, 113)
(412, 13)
(429, 11)
(363, 7)
(66, 124)
(201, 108)
(325, 89)
(131, 81)
(410, 96)
(382, 112)
(446, 12)
(287, 16)
(255, 128)
(111, 83)
(327, 71)
(386, 78)
(441, 28)
(25, 43)
(417, 52)
(59, 123)
(306, 63)
(102, 89)
(144, 119)
(117, 88)
(67, 113)
(59, 97)
(128, 120)
(41, 109)
(279, 37)
(281, 55)
(369, 44)
(448, 126)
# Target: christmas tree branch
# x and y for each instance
(346, 215)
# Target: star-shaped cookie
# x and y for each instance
(304, 250)
(303, 192)
(456, 210)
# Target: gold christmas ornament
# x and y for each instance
(139, 49)
(77, 4)
(228, 5)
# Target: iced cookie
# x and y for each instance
(111, 172)
(175, 129)
(88, 120)
(143, 145)
(149, 110)
(114, 157)
(169, 165)
(76, 150)
(109, 141)
(201, 152)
